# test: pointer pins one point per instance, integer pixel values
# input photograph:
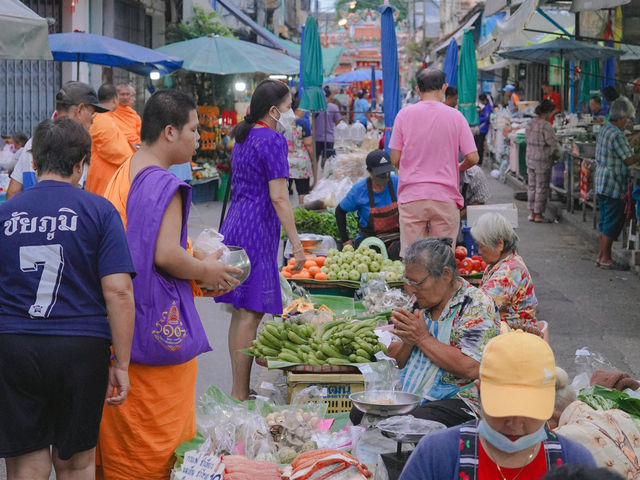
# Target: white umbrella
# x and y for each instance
(23, 34)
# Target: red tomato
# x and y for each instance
(477, 263)
(464, 271)
(460, 252)
(467, 263)
(476, 257)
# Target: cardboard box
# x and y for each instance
(507, 210)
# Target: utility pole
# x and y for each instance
(317, 8)
(424, 21)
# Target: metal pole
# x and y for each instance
(424, 21)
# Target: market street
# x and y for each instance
(585, 306)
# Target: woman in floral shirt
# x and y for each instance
(506, 279)
(441, 342)
(300, 144)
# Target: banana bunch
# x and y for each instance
(334, 343)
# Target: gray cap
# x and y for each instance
(75, 93)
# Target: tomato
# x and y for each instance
(477, 263)
(467, 264)
(310, 263)
(476, 257)
(313, 271)
(463, 271)
(460, 252)
(320, 261)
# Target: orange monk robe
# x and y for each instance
(109, 150)
(129, 122)
(137, 439)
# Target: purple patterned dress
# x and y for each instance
(252, 222)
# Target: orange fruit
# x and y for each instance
(286, 274)
(313, 271)
(292, 261)
(320, 261)
(321, 276)
(303, 274)
(310, 263)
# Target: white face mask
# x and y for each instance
(284, 122)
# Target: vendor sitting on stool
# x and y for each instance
(376, 201)
(441, 342)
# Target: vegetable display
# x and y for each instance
(350, 264)
(323, 223)
(333, 343)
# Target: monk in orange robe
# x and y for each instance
(109, 146)
(126, 117)
(137, 439)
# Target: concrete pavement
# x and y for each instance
(584, 305)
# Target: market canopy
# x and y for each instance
(228, 56)
(330, 56)
(570, 50)
(23, 34)
(360, 75)
(111, 52)
(494, 6)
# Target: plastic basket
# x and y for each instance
(336, 388)
(204, 190)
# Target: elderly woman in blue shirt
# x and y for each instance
(613, 157)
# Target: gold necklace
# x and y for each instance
(527, 462)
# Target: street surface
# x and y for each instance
(584, 305)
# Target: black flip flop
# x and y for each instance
(614, 266)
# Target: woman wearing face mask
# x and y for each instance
(376, 201)
(259, 207)
(517, 390)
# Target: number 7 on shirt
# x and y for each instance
(51, 259)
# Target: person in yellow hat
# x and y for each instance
(511, 440)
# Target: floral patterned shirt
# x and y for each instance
(475, 322)
(510, 285)
(299, 160)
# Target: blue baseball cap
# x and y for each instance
(509, 88)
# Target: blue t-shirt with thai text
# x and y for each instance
(57, 243)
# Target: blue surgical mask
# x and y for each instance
(502, 443)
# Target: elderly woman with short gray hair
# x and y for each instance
(613, 157)
(442, 340)
(506, 279)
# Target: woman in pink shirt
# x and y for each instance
(425, 142)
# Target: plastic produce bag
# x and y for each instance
(586, 364)
(380, 376)
(208, 242)
(406, 427)
(357, 132)
(330, 192)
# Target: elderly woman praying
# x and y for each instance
(441, 341)
(506, 279)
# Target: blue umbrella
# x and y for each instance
(360, 75)
(100, 50)
(451, 63)
(390, 68)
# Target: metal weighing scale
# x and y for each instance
(384, 410)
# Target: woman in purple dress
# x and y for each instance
(259, 206)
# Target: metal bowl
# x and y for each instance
(237, 257)
(385, 403)
(408, 429)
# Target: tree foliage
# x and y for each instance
(206, 88)
(202, 23)
(401, 5)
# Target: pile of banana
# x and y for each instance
(335, 343)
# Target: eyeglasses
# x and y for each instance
(413, 283)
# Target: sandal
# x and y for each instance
(530, 218)
(614, 266)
